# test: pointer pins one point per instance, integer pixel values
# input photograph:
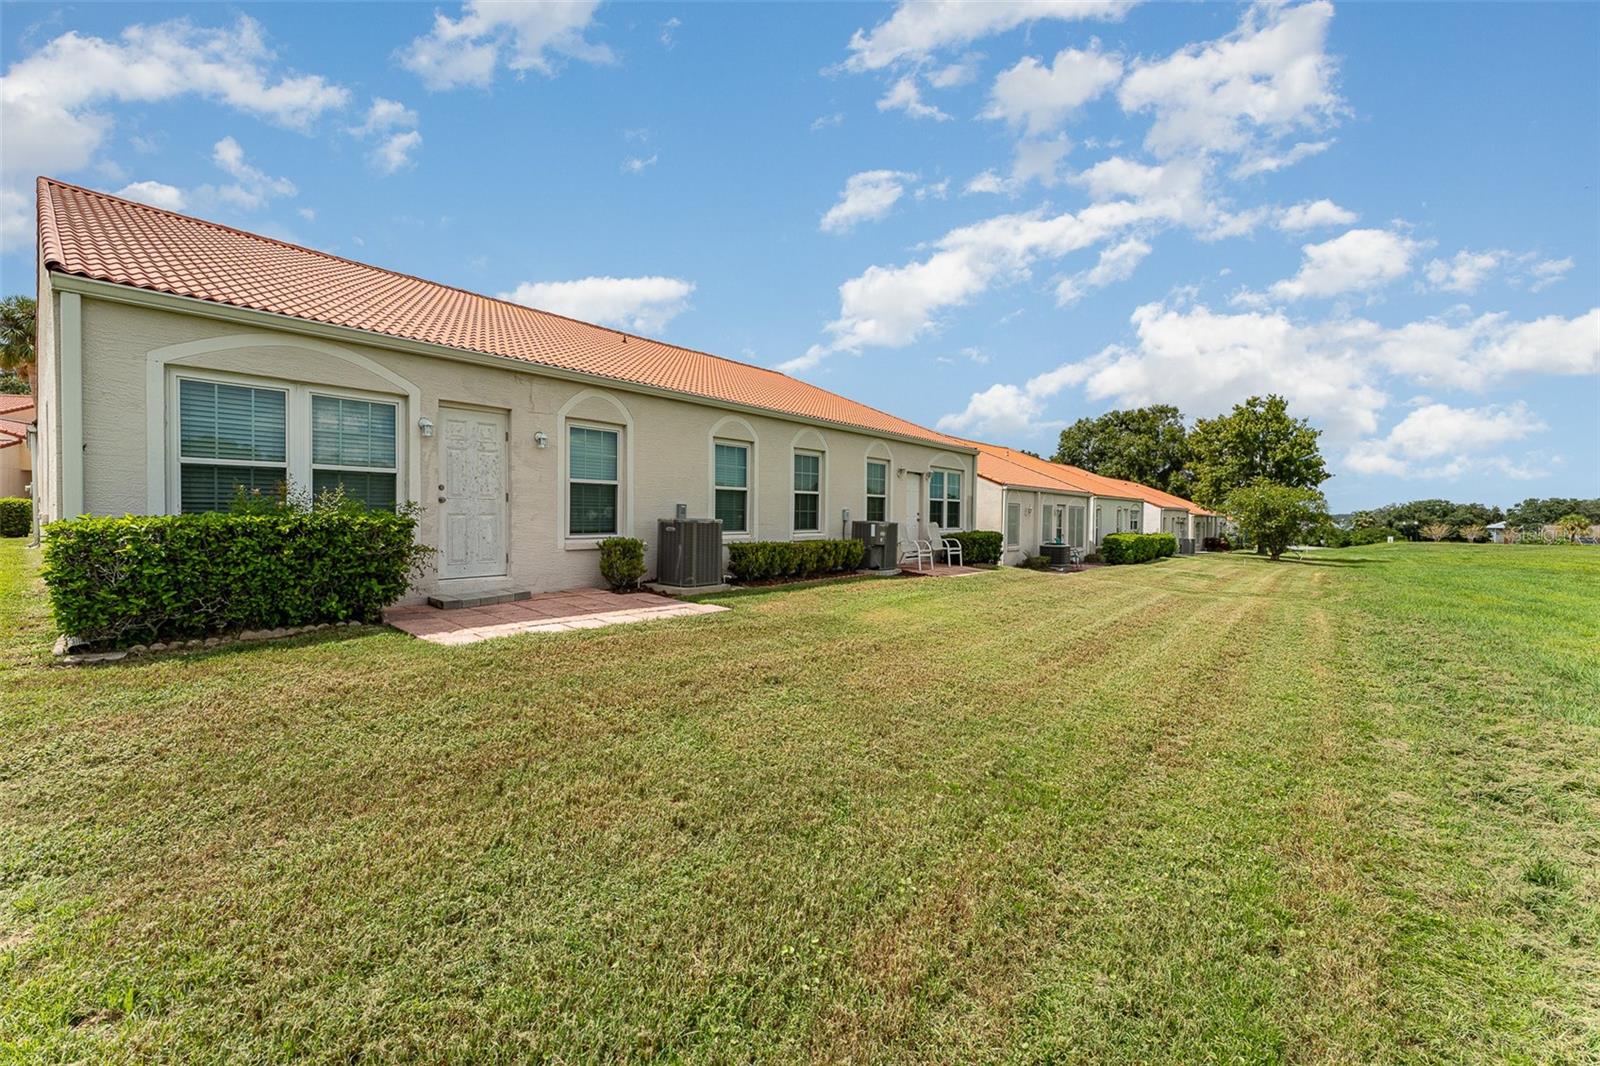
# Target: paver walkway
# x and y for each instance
(939, 570)
(551, 612)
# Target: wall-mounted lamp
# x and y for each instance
(426, 426)
(541, 439)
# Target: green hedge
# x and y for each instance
(979, 545)
(16, 516)
(760, 560)
(622, 562)
(1120, 548)
(137, 579)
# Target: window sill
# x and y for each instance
(585, 544)
(811, 534)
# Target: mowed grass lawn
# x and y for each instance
(1346, 810)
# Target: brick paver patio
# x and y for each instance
(552, 612)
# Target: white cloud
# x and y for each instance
(904, 95)
(1333, 371)
(1465, 272)
(1355, 260)
(669, 30)
(1262, 161)
(934, 190)
(1040, 98)
(1266, 79)
(1309, 214)
(252, 187)
(53, 99)
(644, 304)
(894, 306)
(307, 213)
(524, 36)
(823, 122)
(955, 74)
(1549, 271)
(918, 28)
(1000, 412)
(1031, 161)
(1117, 263)
(1437, 440)
(384, 115)
(866, 197)
(637, 164)
(155, 193)
(394, 153)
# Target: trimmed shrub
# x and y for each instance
(1120, 548)
(979, 545)
(760, 560)
(143, 578)
(622, 562)
(1094, 557)
(1216, 544)
(16, 516)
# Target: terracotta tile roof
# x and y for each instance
(9, 437)
(94, 235)
(14, 403)
(1005, 466)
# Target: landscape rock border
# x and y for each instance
(66, 656)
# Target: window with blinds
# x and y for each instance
(592, 481)
(732, 475)
(230, 438)
(807, 492)
(877, 491)
(1013, 523)
(353, 448)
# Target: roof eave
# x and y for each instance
(67, 281)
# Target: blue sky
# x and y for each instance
(993, 218)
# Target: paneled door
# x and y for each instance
(911, 525)
(473, 501)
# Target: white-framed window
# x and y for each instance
(732, 485)
(255, 435)
(807, 492)
(353, 448)
(877, 490)
(1075, 522)
(230, 437)
(944, 499)
(593, 484)
(1045, 529)
(1013, 523)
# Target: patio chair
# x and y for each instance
(952, 551)
(918, 550)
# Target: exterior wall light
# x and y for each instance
(541, 439)
(426, 426)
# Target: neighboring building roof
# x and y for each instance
(1005, 466)
(9, 437)
(10, 404)
(94, 235)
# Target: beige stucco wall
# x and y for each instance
(993, 500)
(16, 470)
(669, 440)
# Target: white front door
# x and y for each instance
(472, 494)
(912, 523)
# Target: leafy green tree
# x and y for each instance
(17, 325)
(13, 385)
(1572, 526)
(1276, 516)
(1363, 520)
(1256, 441)
(1537, 512)
(1147, 444)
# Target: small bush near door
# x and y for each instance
(622, 562)
(979, 545)
(1119, 548)
(142, 578)
(16, 516)
(762, 560)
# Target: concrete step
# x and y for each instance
(479, 599)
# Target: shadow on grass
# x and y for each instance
(1316, 558)
(746, 592)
